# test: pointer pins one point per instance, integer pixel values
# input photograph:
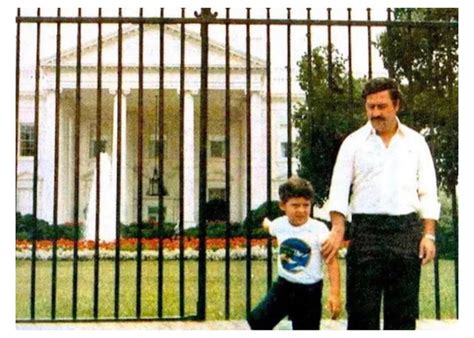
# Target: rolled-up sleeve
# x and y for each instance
(342, 179)
(427, 188)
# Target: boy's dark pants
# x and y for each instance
(301, 302)
(383, 260)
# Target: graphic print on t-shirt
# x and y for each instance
(294, 254)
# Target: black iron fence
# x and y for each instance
(196, 307)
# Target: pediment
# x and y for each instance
(151, 56)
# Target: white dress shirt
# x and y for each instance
(394, 180)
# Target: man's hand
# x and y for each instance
(334, 306)
(330, 246)
(427, 250)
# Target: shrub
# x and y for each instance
(266, 209)
(445, 239)
(216, 210)
(26, 230)
(149, 230)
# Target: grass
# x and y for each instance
(215, 289)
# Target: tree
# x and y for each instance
(327, 116)
(425, 61)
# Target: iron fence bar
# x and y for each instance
(349, 59)
(56, 169)
(248, 257)
(77, 156)
(289, 136)
(203, 137)
(455, 211)
(410, 81)
(269, 150)
(310, 83)
(233, 21)
(35, 173)
(330, 66)
(98, 170)
(456, 241)
(436, 285)
(119, 160)
(227, 170)
(433, 119)
(140, 170)
(161, 218)
(389, 29)
(181, 165)
(369, 42)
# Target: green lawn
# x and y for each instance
(215, 289)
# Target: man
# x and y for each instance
(387, 170)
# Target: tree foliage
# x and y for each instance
(425, 61)
(330, 112)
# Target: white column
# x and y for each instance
(65, 192)
(258, 149)
(70, 167)
(124, 204)
(47, 126)
(189, 162)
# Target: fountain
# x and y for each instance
(107, 202)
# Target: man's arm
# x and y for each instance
(334, 297)
(429, 204)
(333, 243)
(341, 181)
(427, 243)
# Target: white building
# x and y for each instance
(108, 144)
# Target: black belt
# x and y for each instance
(380, 223)
(385, 221)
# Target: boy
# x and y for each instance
(297, 291)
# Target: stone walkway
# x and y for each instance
(209, 325)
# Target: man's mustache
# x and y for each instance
(378, 118)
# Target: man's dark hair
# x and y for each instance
(380, 84)
(295, 187)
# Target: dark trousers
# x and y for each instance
(383, 263)
(301, 302)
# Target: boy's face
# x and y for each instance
(297, 209)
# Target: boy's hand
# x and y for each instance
(334, 306)
(266, 223)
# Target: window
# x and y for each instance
(216, 146)
(216, 193)
(217, 149)
(27, 139)
(152, 214)
(97, 147)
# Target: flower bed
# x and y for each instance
(215, 249)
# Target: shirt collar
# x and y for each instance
(369, 130)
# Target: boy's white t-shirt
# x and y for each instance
(299, 255)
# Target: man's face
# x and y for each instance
(382, 112)
(297, 209)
